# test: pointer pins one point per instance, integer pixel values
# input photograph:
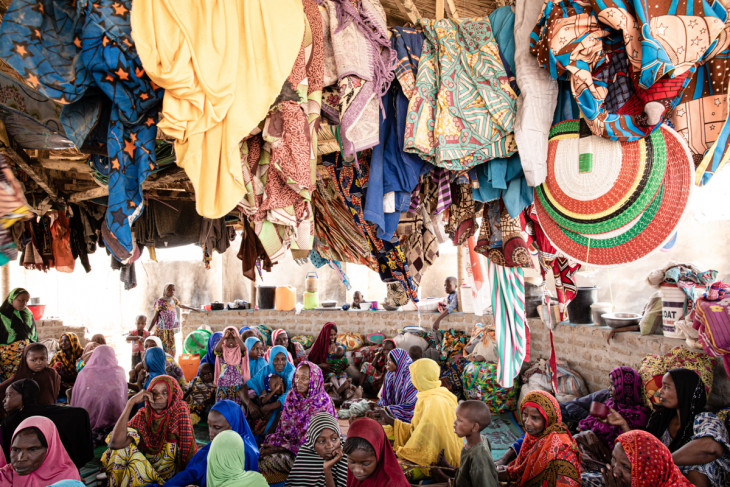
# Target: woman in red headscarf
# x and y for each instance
(156, 443)
(549, 456)
(370, 458)
(38, 458)
(641, 460)
(321, 348)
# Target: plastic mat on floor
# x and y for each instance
(502, 433)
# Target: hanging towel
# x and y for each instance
(508, 304)
(222, 65)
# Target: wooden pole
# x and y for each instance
(460, 274)
(253, 291)
(439, 9)
(5, 280)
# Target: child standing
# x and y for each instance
(167, 318)
(200, 396)
(137, 337)
(477, 465)
(449, 303)
(231, 366)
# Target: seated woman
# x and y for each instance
(153, 365)
(227, 463)
(34, 365)
(698, 440)
(38, 458)
(372, 372)
(265, 417)
(101, 389)
(370, 458)
(306, 399)
(597, 438)
(224, 416)
(17, 330)
(641, 460)
(86, 355)
(321, 347)
(398, 396)
(172, 368)
(64, 362)
(432, 427)
(156, 443)
(20, 403)
(549, 456)
(296, 351)
(321, 461)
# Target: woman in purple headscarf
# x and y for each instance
(101, 388)
(398, 396)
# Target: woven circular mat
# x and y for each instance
(626, 202)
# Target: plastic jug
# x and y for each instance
(189, 365)
(311, 300)
(310, 285)
(285, 298)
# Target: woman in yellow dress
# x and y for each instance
(432, 427)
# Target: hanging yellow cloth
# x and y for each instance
(432, 426)
(222, 64)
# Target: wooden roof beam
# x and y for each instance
(65, 165)
(451, 9)
(160, 183)
(409, 9)
(24, 162)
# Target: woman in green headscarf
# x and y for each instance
(227, 462)
(16, 331)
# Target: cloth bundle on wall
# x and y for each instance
(279, 160)
(71, 53)
(222, 65)
(626, 89)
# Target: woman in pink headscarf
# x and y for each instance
(38, 458)
(101, 388)
(231, 367)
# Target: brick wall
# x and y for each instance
(55, 328)
(583, 347)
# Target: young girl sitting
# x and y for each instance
(200, 395)
(370, 458)
(231, 366)
(338, 384)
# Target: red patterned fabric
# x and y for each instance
(651, 461)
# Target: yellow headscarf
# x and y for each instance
(432, 426)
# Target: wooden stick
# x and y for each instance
(439, 9)
(21, 159)
(410, 10)
(451, 9)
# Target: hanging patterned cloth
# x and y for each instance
(70, 51)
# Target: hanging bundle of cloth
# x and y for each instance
(82, 55)
(279, 159)
(13, 209)
(631, 64)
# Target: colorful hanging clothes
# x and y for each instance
(552, 458)
(352, 180)
(501, 238)
(279, 161)
(419, 243)
(362, 60)
(70, 53)
(508, 305)
(503, 179)
(433, 192)
(222, 65)
(651, 462)
(463, 111)
(398, 396)
(577, 41)
(13, 208)
(462, 214)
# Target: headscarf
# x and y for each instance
(227, 463)
(101, 388)
(88, 350)
(651, 462)
(290, 346)
(432, 426)
(209, 357)
(47, 379)
(298, 410)
(171, 425)
(627, 399)
(156, 362)
(157, 340)
(20, 322)
(308, 468)
(56, 466)
(320, 349)
(232, 357)
(398, 394)
(68, 358)
(692, 399)
(99, 338)
(28, 389)
(257, 383)
(388, 471)
(254, 366)
(554, 453)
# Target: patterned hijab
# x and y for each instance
(627, 399)
(68, 358)
(308, 466)
(171, 425)
(398, 395)
(553, 454)
(21, 322)
(692, 399)
(299, 410)
(651, 461)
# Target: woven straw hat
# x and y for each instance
(606, 202)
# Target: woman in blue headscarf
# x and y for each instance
(225, 415)
(154, 363)
(209, 357)
(256, 360)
